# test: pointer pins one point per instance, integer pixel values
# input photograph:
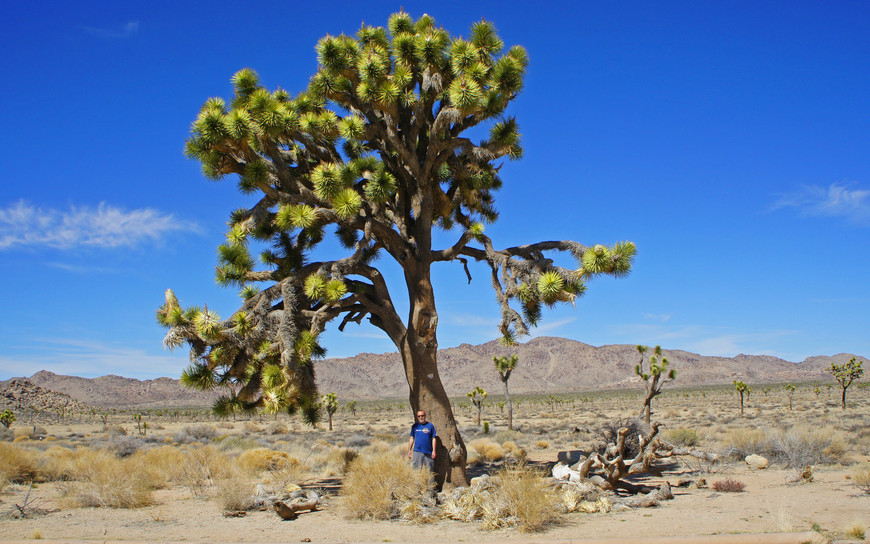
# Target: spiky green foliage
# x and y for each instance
(330, 404)
(7, 418)
(477, 396)
(847, 373)
(654, 377)
(378, 149)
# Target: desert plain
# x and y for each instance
(182, 475)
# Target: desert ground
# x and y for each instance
(184, 476)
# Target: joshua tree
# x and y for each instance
(846, 374)
(654, 379)
(505, 365)
(379, 149)
(742, 389)
(330, 404)
(351, 406)
(477, 396)
(789, 391)
(7, 418)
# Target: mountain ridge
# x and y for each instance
(546, 365)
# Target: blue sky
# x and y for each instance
(729, 140)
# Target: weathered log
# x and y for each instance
(291, 511)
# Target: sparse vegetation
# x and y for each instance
(728, 485)
(379, 486)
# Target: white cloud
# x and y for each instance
(836, 200)
(116, 32)
(105, 226)
(720, 341)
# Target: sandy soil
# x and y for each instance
(768, 506)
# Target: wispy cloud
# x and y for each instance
(721, 341)
(86, 358)
(105, 226)
(546, 328)
(836, 200)
(116, 32)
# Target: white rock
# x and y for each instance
(756, 461)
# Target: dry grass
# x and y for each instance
(19, 463)
(857, 531)
(377, 487)
(98, 478)
(263, 459)
(522, 499)
(861, 478)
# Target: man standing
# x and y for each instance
(421, 447)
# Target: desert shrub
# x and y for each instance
(376, 487)
(253, 428)
(857, 531)
(801, 446)
(122, 445)
(199, 432)
(504, 436)
(682, 437)
(203, 466)
(357, 441)
(239, 443)
(7, 435)
(115, 430)
(861, 478)
(542, 444)
(235, 492)
(520, 498)
(263, 459)
(337, 460)
(20, 464)
(488, 450)
(728, 485)
(276, 427)
(162, 465)
(98, 478)
(742, 442)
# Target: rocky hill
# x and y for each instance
(547, 365)
(22, 396)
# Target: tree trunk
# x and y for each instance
(844, 398)
(419, 349)
(510, 407)
(741, 403)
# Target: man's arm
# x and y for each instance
(434, 441)
(410, 445)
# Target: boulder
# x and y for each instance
(756, 462)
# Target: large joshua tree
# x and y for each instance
(378, 149)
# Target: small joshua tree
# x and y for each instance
(743, 390)
(7, 418)
(654, 379)
(846, 374)
(789, 391)
(477, 396)
(330, 404)
(351, 406)
(505, 366)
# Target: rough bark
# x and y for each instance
(419, 350)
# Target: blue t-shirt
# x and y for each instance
(423, 435)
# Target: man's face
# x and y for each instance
(421, 417)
